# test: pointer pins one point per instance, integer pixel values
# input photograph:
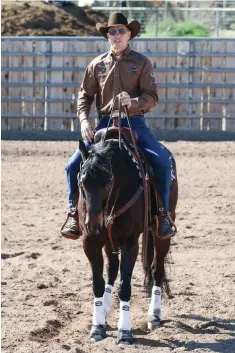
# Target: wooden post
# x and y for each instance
(158, 62)
(197, 77)
(40, 77)
(79, 61)
(15, 92)
(67, 78)
(206, 77)
(183, 92)
(171, 92)
(217, 77)
(56, 92)
(27, 92)
(229, 93)
(5, 90)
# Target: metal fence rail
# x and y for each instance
(42, 75)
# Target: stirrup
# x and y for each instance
(167, 236)
(69, 234)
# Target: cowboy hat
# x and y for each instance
(118, 19)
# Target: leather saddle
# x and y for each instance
(113, 133)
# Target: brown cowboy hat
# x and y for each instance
(117, 19)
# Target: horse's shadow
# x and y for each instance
(220, 346)
(151, 343)
(228, 325)
(205, 326)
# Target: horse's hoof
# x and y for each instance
(124, 338)
(154, 324)
(98, 333)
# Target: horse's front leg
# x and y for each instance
(128, 259)
(112, 269)
(158, 274)
(93, 251)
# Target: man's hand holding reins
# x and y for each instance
(125, 99)
(87, 130)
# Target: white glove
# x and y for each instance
(125, 99)
(87, 130)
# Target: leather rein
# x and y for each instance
(110, 218)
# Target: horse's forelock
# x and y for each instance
(99, 159)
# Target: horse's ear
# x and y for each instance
(83, 150)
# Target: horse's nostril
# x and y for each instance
(93, 229)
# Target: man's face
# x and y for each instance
(118, 38)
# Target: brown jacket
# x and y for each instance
(107, 77)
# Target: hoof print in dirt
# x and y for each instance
(8, 256)
(42, 285)
(50, 302)
(98, 333)
(124, 338)
(48, 331)
(66, 347)
(35, 255)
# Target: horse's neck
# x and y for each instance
(126, 177)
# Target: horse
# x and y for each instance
(107, 181)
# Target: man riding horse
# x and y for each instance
(128, 75)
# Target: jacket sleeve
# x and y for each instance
(148, 90)
(89, 88)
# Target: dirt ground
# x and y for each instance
(46, 280)
(34, 18)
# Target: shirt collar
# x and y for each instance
(126, 53)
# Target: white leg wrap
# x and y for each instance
(155, 308)
(98, 312)
(124, 322)
(107, 298)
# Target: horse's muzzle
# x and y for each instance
(94, 224)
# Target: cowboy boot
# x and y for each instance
(72, 231)
(164, 229)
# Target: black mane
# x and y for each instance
(106, 160)
(99, 159)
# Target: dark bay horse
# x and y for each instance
(108, 180)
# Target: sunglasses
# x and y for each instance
(112, 32)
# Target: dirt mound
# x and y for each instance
(44, 20)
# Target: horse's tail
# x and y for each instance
(151, 263)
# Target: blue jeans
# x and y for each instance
(156, 156)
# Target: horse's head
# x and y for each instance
(95, 185)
